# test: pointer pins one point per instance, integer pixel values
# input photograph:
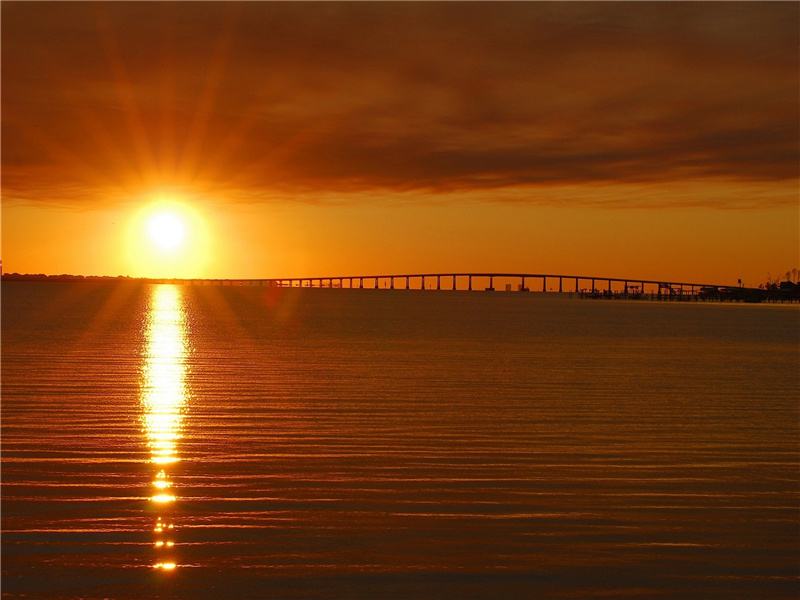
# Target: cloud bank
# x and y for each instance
(263, 102)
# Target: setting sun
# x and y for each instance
(168, 238)
(166, 230)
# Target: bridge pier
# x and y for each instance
(422, 285)
(454, 282)
(391, 283)
(544, 284)
(376, 283)
(438, 282)
(360, 283)
(470, 283)
(491, 284)
(408, 283)
(560, 286)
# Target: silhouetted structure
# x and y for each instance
(593, 286)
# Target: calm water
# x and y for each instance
(199, 442)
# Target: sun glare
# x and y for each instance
(166, 230)
(168, 238)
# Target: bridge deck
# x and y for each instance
(590, 282)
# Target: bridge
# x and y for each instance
(585, 284)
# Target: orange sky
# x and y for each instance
(651, 140)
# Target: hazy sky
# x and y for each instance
(623, 139)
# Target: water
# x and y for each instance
(208, 442)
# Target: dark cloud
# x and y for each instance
(438, 97)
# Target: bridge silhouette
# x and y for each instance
(479, 280)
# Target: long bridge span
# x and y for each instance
(587, 284)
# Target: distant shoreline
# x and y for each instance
(43, 277)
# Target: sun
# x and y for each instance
(166, 230)
(169, 238)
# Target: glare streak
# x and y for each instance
(164, 402)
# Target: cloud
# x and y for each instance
(258, 101)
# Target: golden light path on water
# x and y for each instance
(164, 402)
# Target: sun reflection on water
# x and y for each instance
(164, 403)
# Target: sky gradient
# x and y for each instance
(652, 140)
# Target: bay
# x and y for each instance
(244, 442)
